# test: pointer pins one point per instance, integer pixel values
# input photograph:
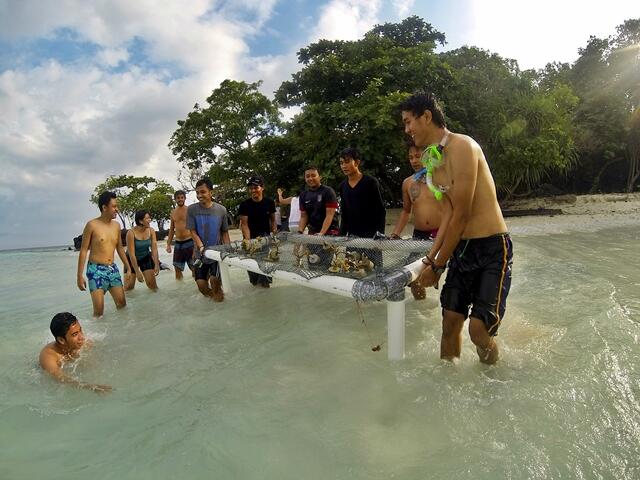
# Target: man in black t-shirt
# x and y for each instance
(362, 209)
(318, 205)
(257, 219)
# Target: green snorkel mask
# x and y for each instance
(432, 159)
(432, 156)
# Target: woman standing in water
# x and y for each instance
(142, 252)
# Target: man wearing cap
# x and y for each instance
(257, 219)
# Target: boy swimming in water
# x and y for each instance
(69, 341)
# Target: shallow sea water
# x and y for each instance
(282, 383)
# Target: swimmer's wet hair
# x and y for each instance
(60, 324)
(104, 199)
(179, 192)
(205, 181)
(418, 103)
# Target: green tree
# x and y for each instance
(522, 123)
(272, 157)
(536, 142)
(605, 78)
(136, 193)
(237, 116)
(159, 203)
(349, 91)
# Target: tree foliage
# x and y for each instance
(236, 116)
(138, 193)
(572, 125)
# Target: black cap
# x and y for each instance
(256, 180)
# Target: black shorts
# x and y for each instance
(183, 253)
(424, 234)
(145, 263)
(479, 279)
(207, 270)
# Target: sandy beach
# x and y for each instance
(579, 213)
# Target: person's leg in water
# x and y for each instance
(182, 254)
(103, 278)
(202, 279)
(486, 346)
(147, 266)
(150, 279)
(178, 271)
(97, 299)
(130, 277)
(451, 341)
(216, 289)
(116, 289)
(216, 283)
(490, 299)
(129, 282)
(208, 282)
(203, 286)
(118, 295)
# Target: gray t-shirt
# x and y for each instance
(208, 222)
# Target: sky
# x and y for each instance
(92, 89)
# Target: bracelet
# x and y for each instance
(431, 263)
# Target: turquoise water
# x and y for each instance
(282, 384)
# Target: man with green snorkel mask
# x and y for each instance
(476, 247)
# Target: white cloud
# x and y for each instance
(544, 31)
(346, 19)
(65, 127)
(402, 7)
(112, 57)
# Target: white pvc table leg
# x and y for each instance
(224, 276)
(395, 329)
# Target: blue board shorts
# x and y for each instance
(103, 277)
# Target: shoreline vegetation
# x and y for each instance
(577, 212)
(532, 215)
(567, 129)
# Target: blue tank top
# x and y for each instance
(143, 247)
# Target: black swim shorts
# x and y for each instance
(145, 263)
(479, 279)
(183, 253)
(207, 270)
